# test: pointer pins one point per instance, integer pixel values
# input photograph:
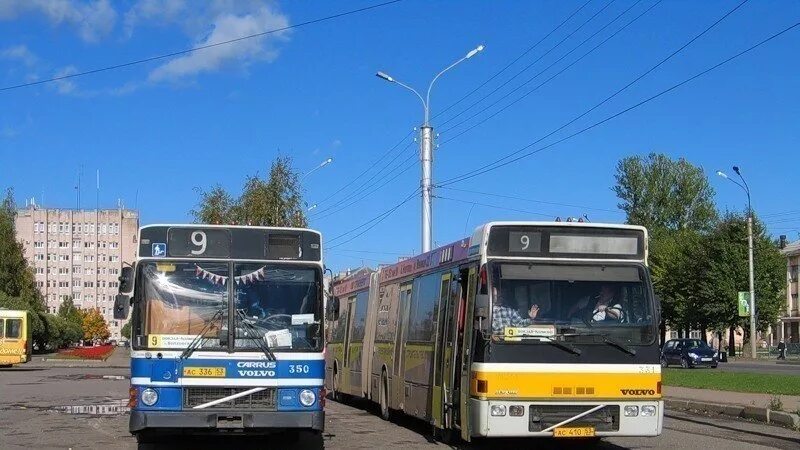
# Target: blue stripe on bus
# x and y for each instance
(170, 370)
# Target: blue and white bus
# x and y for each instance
(226, 330)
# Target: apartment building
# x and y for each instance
(79, 254)
(789, 329)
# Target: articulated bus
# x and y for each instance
(526, 329)
(16, 342)
(226, 330)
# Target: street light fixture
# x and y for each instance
(426, 145)
(321, 165)
(746, 189)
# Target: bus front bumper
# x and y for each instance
(251, 421)
(608, 420)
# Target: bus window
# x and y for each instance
(360, 318)
(2, 328)
(13, 328)
(422, 320)
(341, 326)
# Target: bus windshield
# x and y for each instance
(531, 302)
(277, 303)
(182, 300)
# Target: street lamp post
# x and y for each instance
(426, 147)
(746, 189)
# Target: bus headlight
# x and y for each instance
(648, 410)
(631, 411)
(498, 410)
(307, 397)
(149, 397)
(516, 410)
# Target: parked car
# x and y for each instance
(688, 353)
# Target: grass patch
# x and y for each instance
(761, 383)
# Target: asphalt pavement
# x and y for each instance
(771, 366)
(45, 407)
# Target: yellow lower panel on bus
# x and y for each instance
(566, 381)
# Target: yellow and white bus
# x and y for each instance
(526, 329)
(16, 343)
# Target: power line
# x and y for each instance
(370, 167)
(202, 47)
(470, 202)
(619, 91)
(782, 213)
(512, 197)
(498, 163)
(531, 48)
(370, 224)
(505, 83)
(366, 189)
(564, 69)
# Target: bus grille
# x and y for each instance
(258, 401)
(545, 416)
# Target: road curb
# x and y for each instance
(755, 413)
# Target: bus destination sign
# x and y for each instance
(198, 241)
(567, 242)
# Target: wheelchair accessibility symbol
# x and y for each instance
(159, 249)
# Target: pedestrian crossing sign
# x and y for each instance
(744, 304)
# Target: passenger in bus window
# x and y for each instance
(507, 316)
(606, 307)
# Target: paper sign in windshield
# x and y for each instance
(302, 319)
(169, 340)
(280, 338)
(512, 333)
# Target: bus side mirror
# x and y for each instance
(122, 306)
(126, 280)
(333, 309)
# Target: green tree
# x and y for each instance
(665, 194)
(215, 206)
(126, 330)
(674, 201)
(73, 327)
(727, 273)
(274, 201)
(17, 281)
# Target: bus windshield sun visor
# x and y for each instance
(561, 272)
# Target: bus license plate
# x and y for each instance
(211, 372)
(573, 432)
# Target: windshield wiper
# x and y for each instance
(259, 342)
(563, 346)
(201, 338)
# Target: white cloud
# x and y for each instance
(154, 12)
(93, 20)
(227, 26)
(66, 86)
(19, 53)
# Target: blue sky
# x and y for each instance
(216, 116)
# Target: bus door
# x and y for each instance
(344, 375)
(445, 352)
(397, 389)
(464, 344)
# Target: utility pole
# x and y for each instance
(751, 267)
(426, 150)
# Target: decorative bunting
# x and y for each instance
(256, 275)
(206, 275)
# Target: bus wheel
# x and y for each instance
(385, 413)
